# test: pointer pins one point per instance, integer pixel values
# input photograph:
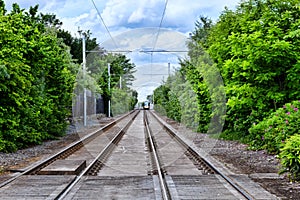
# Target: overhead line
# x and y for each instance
(158, 31)
(164, 51)
(111, 51)
(141, 51)
(105, 24)
(160, 24)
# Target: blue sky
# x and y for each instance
(133, 25)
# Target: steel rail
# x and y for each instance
(163, 185)
(108, 148)
(175, 134)
(57, 155)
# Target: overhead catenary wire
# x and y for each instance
(160, 24)
(154, 41)
(143, 51)
(102, 20)
(158, 31)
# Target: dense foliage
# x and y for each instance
(38, 75)
(177, 100)
(279, 133)
(290, 157)
(256, 49)
(36, 82)
(195, 95)
(257, 53)
(272, 132)
(192, 71)
(123, 100)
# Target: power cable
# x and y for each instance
(105, 25)
(158, 31)
(160, 24)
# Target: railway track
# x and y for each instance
(138, 156)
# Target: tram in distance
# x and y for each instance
(146, 105)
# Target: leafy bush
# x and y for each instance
(161, 99)
(290, 157)
(190, 115)
(121, 101)
(272, 132)
(167, 102)
(256, 48)
(174, 108)
(36, 81)
(7, 146)
(194, 72)
(2, 145)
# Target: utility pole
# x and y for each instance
(84, 73)
(168, 69)
(108, 69)
(153, 100)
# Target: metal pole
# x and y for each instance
(108, 67)
(168, 69)
(84, 74)
(153, 100)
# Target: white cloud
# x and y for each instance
(115, 12)
(179, 15)
(137, 16)
(120, 15)
(120, 12)
(72, 24)
(51, 6)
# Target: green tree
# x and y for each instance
(121, 74)
(198, 69)
(161, 99)
(256, 48)
(123, 100)
(76, 44)
(36, 81)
